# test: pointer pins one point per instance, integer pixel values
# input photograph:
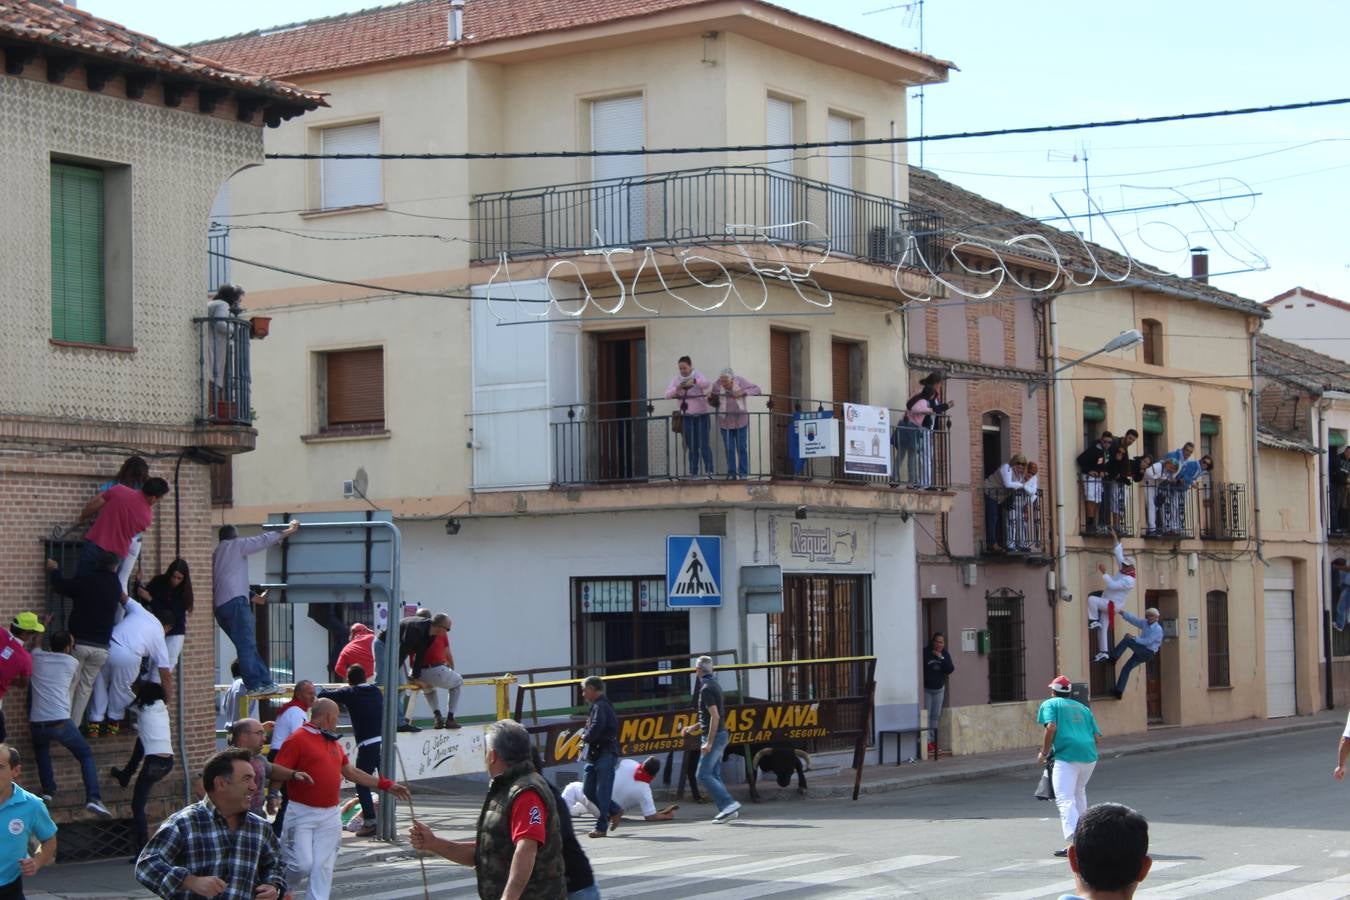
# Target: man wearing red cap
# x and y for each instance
(359, 651)
(1071, 735)
(1111, 599)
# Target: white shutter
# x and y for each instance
(618, 213)
(779, 130)
(350, 182)
(842, 207)
(841, 158)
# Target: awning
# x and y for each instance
(1153, 420)
(1094, 410)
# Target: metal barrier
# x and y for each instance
(751, 720)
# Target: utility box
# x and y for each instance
(762, 589)
(983, 641)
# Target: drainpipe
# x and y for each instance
(1322, 523)
(1056, 455)
(1255, 412)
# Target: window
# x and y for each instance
(1216, 633)
(78, 300)
(1155, 432)
(1094, 417)
(1003, 610)
(222, 483)
(352, 391)
(350, 182)
(619, 620)
(618, 209)
(1211, 429)
(846, 371)
(1151, 329)
(780, 128)
(842, 175)
(218, 241)
(994, 441)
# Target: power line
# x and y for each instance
(817, 145)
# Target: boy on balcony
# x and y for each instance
(1092, 466)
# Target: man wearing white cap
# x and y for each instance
(1111, 599)
(1071, 733)
(1145, 646)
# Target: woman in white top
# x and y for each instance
(154, 745)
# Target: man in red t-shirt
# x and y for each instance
(122, 514)
(16, 663)
(312, 831)
(437, 671)
(359, 651)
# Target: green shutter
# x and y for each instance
(1209, 425)
(1336, 438)
(1094, 410)
(1153, 421)
(77, 254)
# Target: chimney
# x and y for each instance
(1200, 264)
(456, 21)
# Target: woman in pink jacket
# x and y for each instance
(734, 421)
(691, 389)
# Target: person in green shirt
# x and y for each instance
(1071, 735)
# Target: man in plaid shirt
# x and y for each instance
(216, 847)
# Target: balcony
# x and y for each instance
(1223, 511)
(700, 206)
(224, 383)
(1014, 523)
(598, 444)
(1105, 506)
(1338, 512)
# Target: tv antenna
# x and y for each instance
(1076, 156)
(913, 13)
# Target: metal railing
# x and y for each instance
(224, 383)
(1169, 511)
(611, 443)
(1014, 523)
(1223, 511)
(217, 261)
(1105, 505)
(694, 205)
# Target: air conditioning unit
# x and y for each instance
(348, 490)
(886, 245)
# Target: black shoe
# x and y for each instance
(1062, 851)
(408, 728)
(123, 778)
(1119, 695)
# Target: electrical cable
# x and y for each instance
(817, 145)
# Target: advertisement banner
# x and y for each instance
(436, 753)
(817, 435)
(867, 440)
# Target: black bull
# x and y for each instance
(780, 758)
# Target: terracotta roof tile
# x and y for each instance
(967, 213)
(422, 27)
(1299, 365)
(49, 23)
(1311, 295)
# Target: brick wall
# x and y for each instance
(39, 492)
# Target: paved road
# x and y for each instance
(1253, 819)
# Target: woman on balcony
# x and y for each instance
(691, 389)
(733, 420)
(999, 490)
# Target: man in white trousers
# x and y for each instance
(1103, 605)
(1071, 735)
(312, 833)
(140, 634)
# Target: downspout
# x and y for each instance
(178, 669)
(1323, 523)
(1255, 412)
(1061, 552)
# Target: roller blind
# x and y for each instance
(1209, 425)
(1153, 420)
(779, 130)
(355, 387)
(78, 312)
(350, 182)
(1094, 410)
(841, 158)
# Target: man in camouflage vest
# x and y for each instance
(517, 854)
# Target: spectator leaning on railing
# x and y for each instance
(691, 389)
(728, 394)
(998, 488)
(1092, 464)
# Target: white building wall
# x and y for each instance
(1310, 323)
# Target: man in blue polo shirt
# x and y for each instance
(21, 816)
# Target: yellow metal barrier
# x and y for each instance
(573, 682)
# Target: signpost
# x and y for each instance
(693, 571)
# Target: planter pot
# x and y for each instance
(261, 325)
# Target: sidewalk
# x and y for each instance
(453, 804)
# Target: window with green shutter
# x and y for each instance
(78, 308)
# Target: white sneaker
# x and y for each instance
(729, 813)
(1093, 625)
(98, 809)
(724, 818)
(1101, 657)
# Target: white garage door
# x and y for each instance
(1280, 682)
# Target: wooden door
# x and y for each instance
(781, 401)
(620, 431)
(1153, 688)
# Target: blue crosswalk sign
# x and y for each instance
(693, 571)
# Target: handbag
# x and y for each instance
(1045, 788)
(677, 417)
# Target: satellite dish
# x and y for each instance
(360, 481)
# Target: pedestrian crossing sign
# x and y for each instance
(693, 571)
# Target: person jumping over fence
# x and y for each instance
(1110, 599)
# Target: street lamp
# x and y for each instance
(1119, 342)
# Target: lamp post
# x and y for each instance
(1119, 342)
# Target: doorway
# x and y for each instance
(620, 436)
(621, 619)
(1281, 678)
(1162, 674)
(785, 393)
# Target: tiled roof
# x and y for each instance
(51, 24)
(967, 213)
(1267, 438)
(422, 27)
(1299, 365)
(1311, 295)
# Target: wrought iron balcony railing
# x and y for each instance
(612, 443)
(224, 391)
(702, 205)
(1223, 511)
(1014, 523)
(1105, 505)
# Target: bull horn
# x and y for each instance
(804, 757)
(760, 755)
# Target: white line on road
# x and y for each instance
(1213, 882)
(1064, 887)
(829, 876)
(1331, 889)
(709, 875)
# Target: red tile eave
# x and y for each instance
(1311, 295)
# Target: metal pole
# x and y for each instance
(387, 822)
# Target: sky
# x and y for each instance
(1039, 62)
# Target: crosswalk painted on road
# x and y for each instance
(650, 873)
